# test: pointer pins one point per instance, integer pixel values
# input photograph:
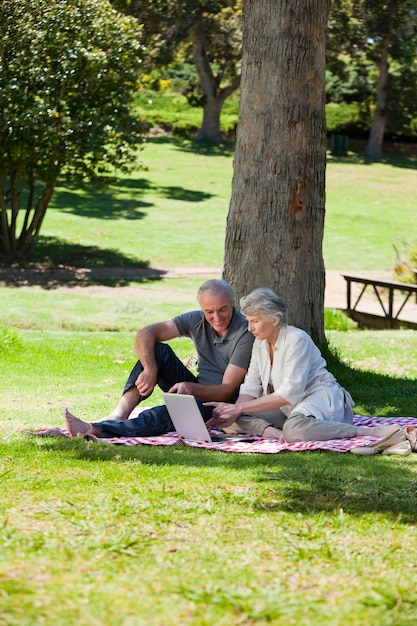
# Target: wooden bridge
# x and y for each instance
(393, 305)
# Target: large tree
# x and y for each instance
(276, 216)
(68, 73)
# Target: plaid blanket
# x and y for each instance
(261, 445)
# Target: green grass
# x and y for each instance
(76, 308)
(150, 536)
(100, 534)
(369, 210)
(95, 534)
(173, 211)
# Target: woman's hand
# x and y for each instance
(224, 414)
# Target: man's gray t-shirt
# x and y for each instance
(215, 353)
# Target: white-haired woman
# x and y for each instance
(288, 393)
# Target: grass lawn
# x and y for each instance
(100, 535)
(173, 211)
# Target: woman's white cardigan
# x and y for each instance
(299, 375)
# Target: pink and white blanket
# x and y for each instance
(261, 445)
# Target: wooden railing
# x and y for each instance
(391, 297)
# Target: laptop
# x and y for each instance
(189, 423)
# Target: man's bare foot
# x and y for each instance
(76, 426)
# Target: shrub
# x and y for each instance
(334, 319)
(406, 266)
(345, 117)
(9, 340)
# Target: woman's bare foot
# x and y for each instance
(76, 426)
(376, 431)
(274, 433)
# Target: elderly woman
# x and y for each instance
(288, 393)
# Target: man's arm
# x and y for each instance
(145, 351)
(232, 379)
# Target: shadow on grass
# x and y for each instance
(403, 162)
(379, 394)
(225, 149)
(307, 483)
(331, 482)
(108, 203)
(55, 263)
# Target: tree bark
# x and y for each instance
(275, 223)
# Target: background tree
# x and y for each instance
(209, 32)
(371, 60)
(68, 71)
(391, 29)
(276, 216)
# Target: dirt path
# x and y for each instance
(75, 279)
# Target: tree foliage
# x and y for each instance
(68, 72)
(207, 31)
(371, 60)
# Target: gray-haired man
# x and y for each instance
(223, 345)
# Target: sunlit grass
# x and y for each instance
(95, 534)
(173, 211)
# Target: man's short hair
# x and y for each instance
(215, 285)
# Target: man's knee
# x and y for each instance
(163, 353)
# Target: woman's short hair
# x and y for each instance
(217, 286)
(264, 301)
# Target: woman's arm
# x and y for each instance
(225, 414)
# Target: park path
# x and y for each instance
(138, 280)
(72, 278)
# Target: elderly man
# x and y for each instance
(223, 345)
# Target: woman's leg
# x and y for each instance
(266, 424)
(308, 428)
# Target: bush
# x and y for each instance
(345, 117)
(406, 266)
(9, 340)
(334, 319)
(172, 111)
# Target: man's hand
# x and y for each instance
(184, 388)
(145, 383)
(224, 414)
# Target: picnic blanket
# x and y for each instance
(261, 445)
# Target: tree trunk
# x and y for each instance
(374, 146)
(213, 93)
(16, 246)
(275, 224)
(210, 126)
